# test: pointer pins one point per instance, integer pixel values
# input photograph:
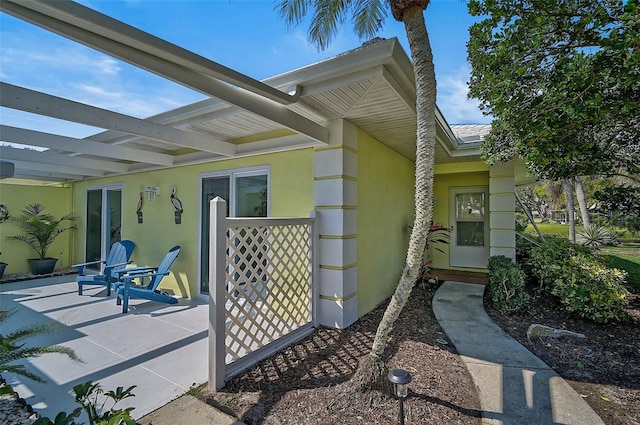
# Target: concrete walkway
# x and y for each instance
(515, 387)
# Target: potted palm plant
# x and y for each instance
(39, 231)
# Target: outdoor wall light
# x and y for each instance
(400, 386)
(150, 192)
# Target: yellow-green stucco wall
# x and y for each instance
(291, 195)
(385, 212)
(57, 201)
(448, 176)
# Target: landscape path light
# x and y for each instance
(400, 386)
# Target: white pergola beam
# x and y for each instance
(44, 177)
(96, 22)
(23, 99)
(84, 146)
(14, 154)
(91, 29)
(42, 169)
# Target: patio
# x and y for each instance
(160, 348)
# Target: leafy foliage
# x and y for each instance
(506, 285)
(594, 235)
(88, 396)
(622, 203)
(40, 229)
(580, 280)
(554, 73)
(11, 349)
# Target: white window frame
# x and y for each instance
(232, 174)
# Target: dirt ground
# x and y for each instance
(309, 382)
(604, 367)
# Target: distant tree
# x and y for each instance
(562, 80)
(534, 199)
(622, 203)
(367, 17)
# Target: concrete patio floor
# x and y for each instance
(160, 348)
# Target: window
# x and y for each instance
(247, 194)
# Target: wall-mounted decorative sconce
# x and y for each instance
(150, 192)
(139, 208)
(177, 205)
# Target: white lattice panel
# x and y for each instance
(269, 277)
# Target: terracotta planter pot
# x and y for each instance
(44, 266)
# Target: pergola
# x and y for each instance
(372, 87)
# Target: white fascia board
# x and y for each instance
(347, 63)
(46, 157)
(83, 146)
(450, 143)
(52, 106)
(105, 26)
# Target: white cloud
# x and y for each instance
(454, 102)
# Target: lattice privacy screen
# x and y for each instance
(269, 278)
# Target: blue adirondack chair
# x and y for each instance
(117, 259)
(125, 289)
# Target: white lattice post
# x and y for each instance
(217, 291)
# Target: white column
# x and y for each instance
(217, 292)
(502, 209)
(336, 200)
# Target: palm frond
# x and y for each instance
(328, 15)
(293, 12)
(368, 17)
(21, 370)
(11, 350)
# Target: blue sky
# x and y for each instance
(247, 36)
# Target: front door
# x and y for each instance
(469, 209)
(104, 221)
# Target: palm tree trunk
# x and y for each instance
(582, 202)
(371, 368)
(568, 188)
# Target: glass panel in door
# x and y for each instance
(93, 244)
(251, 196)
(469, 245)
(470, 219)
(211, 187)
(104, 223)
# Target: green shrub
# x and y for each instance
(580, 280)
(549, 261)
(522, 222)
(594, 291)
(506, 285)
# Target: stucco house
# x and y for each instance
(336, 138)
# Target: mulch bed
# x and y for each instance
(604, 367)
(309, 382)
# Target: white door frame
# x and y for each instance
(104, 228)
(469, 256)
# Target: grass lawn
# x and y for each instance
(625, 257)
(552, 229)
